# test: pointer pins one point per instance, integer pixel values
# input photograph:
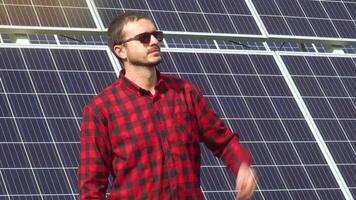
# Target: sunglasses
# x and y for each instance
(145, 37)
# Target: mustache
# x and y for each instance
(154, 48)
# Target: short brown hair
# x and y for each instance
(115, 33)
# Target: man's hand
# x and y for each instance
(245, 182)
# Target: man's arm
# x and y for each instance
(225, 145)
(95, 155)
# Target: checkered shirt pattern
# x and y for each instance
(150, 144)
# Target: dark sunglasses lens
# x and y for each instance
(145, 38)
(158, 35)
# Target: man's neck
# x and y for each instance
(144, 77)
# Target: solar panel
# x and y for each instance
(250, 93)
(226, 16)
(314, 18)
(327, 85)
(46, 14)
(42, 93)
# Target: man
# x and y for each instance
(145, 128)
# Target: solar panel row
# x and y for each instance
(44, 89)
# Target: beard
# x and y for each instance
(150, 60)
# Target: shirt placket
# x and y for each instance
(170, 173)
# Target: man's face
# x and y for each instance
(139, 53)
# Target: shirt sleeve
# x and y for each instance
(95, 155)
(217, 136)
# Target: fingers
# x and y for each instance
(246, 182)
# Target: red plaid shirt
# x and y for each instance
(150, 144)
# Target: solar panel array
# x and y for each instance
(296, 112)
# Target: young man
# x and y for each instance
(145, 128)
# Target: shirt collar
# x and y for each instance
(134, 87)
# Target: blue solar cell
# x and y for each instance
(47, 82)
(265, 64)
(328, 180)
(4, 108)
(276, 25)
(9, 131)
(224, 180)
(213, 102)
(313, 9)
(194, 22)
(266, 8)
(289, 7)
(11, 160)
(224, 85)
(64, 130)
(11, 59)
(78, 101)
(332, 87)
(345, 66)
(348, 172)
(236, 7)
(39, 59)
(312, 88)
(297, 65)
(323, 28)
(260, 153)
(295, 177)
(69, 154)
(245, 25)
(275, 86)
(343, 108)
(101, 80)
(25, 105)
(221, 23)
(261, 107)
(160, 5)
(201, 81)
(335, 10)
(34, 130)
(300, 26)
(341, 152)
(331, 194)
(187, 62)
(20, 182)
(272, 130)
(52, 181)
(56, 106)
(164, 21)
(277, 194)
(67, 59)
(304, 194)
(331, 129)
(287, 108)
(94, 60)
(245, 128)
(234, 107)
(346, 29)
(213, 63)
(16, 82)
(186, 5)
(166, 65)
(319, 108)
(349, 127)
(310, 153)
(275, 183)
(298, 130)
(77, 82)
(284, 154)
(250, 85)
(240, 64)
(43, 155)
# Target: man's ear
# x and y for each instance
(120, 51)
